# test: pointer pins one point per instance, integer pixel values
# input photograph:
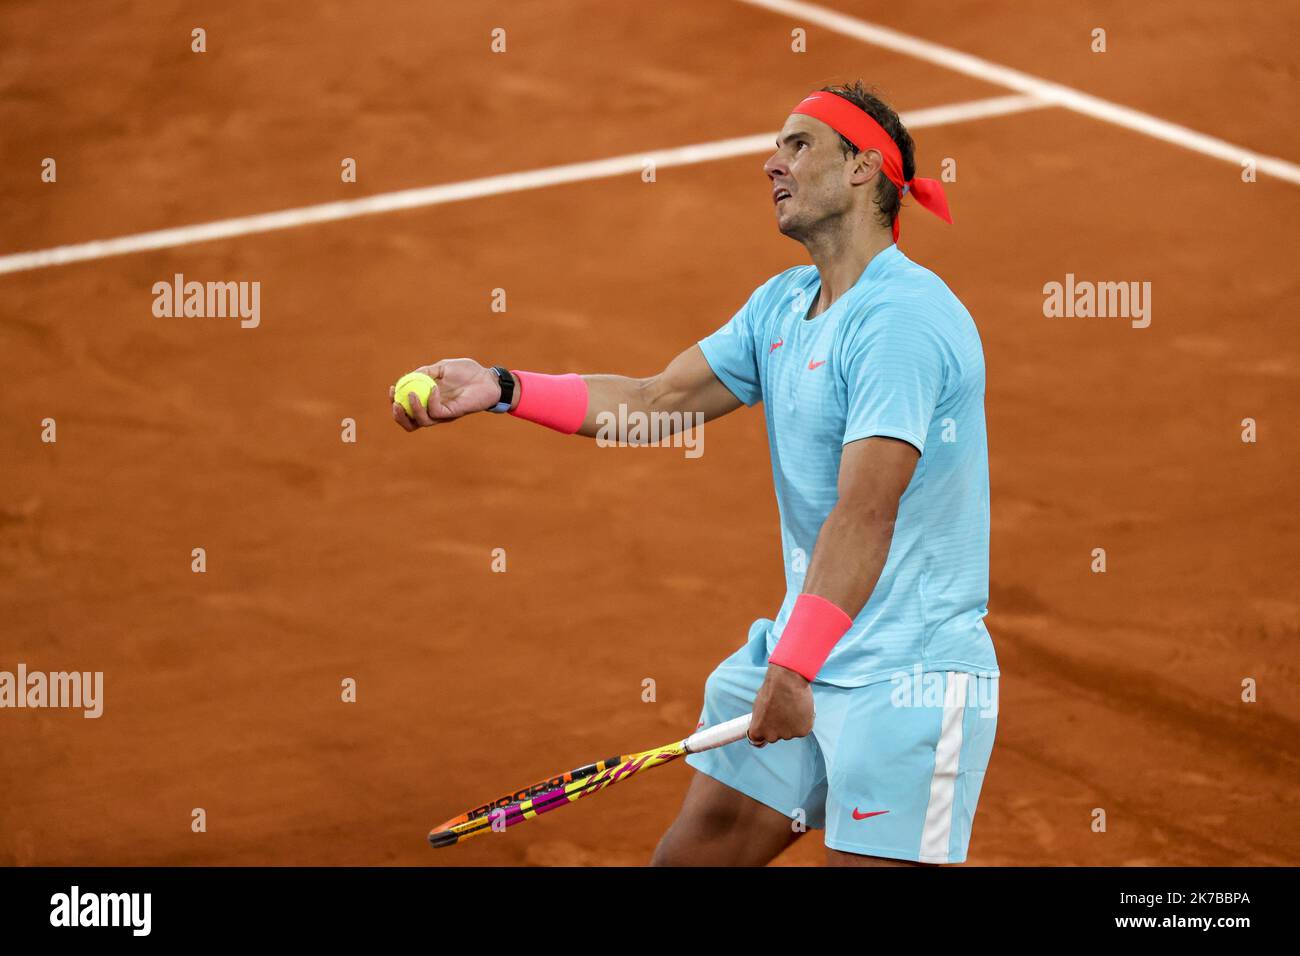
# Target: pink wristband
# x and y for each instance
(556, 401)
(814, 628)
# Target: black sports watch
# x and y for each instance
(507, 389)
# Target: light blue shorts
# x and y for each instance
(892, 769)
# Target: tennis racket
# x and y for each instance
(554, 792)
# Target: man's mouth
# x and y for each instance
(779, 194)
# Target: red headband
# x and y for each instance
(865, 133)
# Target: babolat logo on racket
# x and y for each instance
(519, 796)
(533, 791)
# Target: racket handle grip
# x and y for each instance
(718, 735)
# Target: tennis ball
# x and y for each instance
(417, 382)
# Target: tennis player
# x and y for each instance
(874, 690)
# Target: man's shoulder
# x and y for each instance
(794, 277)
(776, 294)
(911, 296)
(908, 281)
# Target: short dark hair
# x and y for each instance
(865, 99)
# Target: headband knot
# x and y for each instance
(857, 126)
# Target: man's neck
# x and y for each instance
(841, 260)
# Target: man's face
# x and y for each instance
(812, 180)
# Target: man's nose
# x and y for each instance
(774, 167)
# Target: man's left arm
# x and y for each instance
(849, 555)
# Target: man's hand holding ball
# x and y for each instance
(443, 392)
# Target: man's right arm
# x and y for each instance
(687, 386)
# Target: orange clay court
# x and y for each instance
(372, 560)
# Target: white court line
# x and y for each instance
(471, 189)
(1045, 90)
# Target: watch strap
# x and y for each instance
(508, 386)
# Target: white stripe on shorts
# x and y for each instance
(943, 785)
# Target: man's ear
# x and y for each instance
(865, 165)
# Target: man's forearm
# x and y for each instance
(605, 393)
(850, 553)
(672, 402)
(683, 395)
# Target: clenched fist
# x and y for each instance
(783, 707)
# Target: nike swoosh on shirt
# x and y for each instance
(813, 365)
(863, 816)
(775, 346)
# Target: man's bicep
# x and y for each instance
(874, 473)
(689, 384)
